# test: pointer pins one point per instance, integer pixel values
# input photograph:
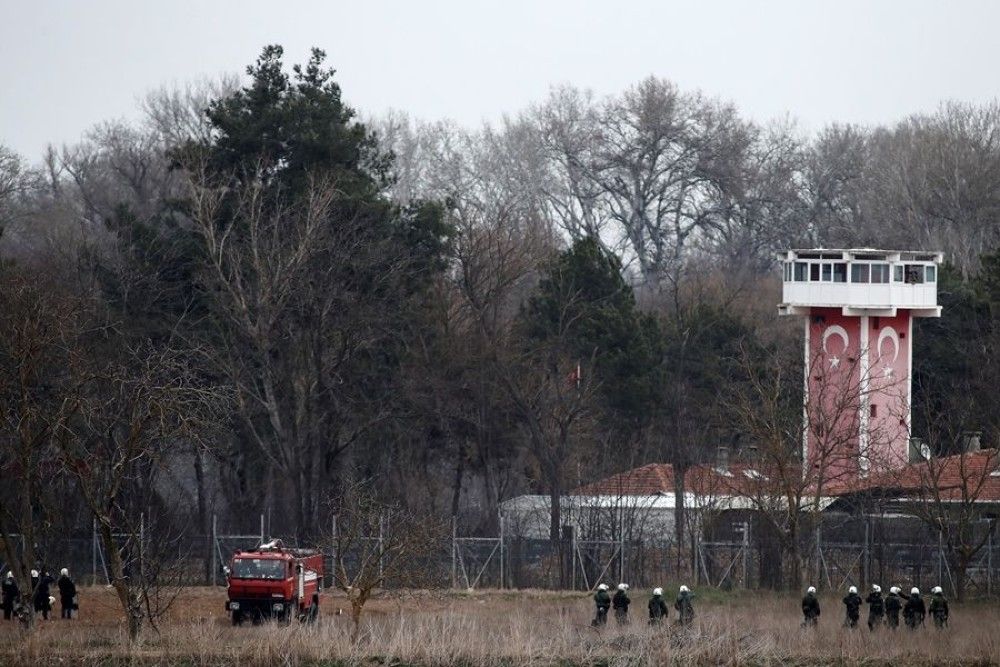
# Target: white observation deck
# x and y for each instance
(860, 281)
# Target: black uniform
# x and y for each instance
(685, 610)
(658, 610)
(41, 597)
(853, 603)
(939, 610)
(893, 604)
(810, 609)
(10, 594)
(914, 611)
(876, 609)
(620, 603)
(603, 602)
(67, 595)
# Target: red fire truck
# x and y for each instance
(274, 582)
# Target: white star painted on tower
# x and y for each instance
(887, 372)
(834, 362)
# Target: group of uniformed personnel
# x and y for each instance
(883, 609)
(657, 606)
(41, 598)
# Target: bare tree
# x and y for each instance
(124, 413)
(35, 333)
(376, 543)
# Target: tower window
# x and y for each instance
(827, 272)
(840, 272)
(814, 273)
(801, 274)
(859, 273)
(931, 274)
(880, 273)
(873, 410)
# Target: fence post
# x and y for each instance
(746, 554)
(989, 561)
(262, 536)
(454, 547)
(93, 554)
(215, 546)
(940, 554)
(501, 550)
(621, 546)
(819, 552)
(381, 521)
(572, 560)
(865, 574)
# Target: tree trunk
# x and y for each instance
(555, 528)
(203, 518)
(456, 489)
(119, 582)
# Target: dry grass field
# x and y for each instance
(500, 628)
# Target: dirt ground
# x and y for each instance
(497, 628)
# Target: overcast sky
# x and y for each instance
(68, 65)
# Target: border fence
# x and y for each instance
(854, 551)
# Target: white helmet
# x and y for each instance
(914, 591)
(623, 587)
(936, 590)
(811, 589)
(685, 589)
(34, 573)
(52, 600)
(64, 572)
(894, 590)
(657, 591)
(602, 587)
(10, 575)
(876, 588)
(852, 589)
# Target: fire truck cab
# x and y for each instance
(274, 582)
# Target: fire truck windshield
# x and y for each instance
(258, 568)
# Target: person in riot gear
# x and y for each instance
(810, 608)
(41, 596)
(893, 605)
(603, 602)
(658, 610)
(67, 594)
(938, 608)
(876, 607)
(10, 595)
(914, 610)
(685, 610)
(620, 603)
(852, 603)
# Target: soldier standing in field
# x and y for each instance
(810, 608)
(939, 608)
(914, 610)
(67, 593)
(658, 610)
(10, 594)
(876, 607)
(603, 602)
(893, 605)
(684, 607)
(620, 603)
(852, 602)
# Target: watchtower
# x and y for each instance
(858, 307)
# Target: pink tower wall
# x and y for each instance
(857, 400)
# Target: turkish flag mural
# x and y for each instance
(857, 393)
